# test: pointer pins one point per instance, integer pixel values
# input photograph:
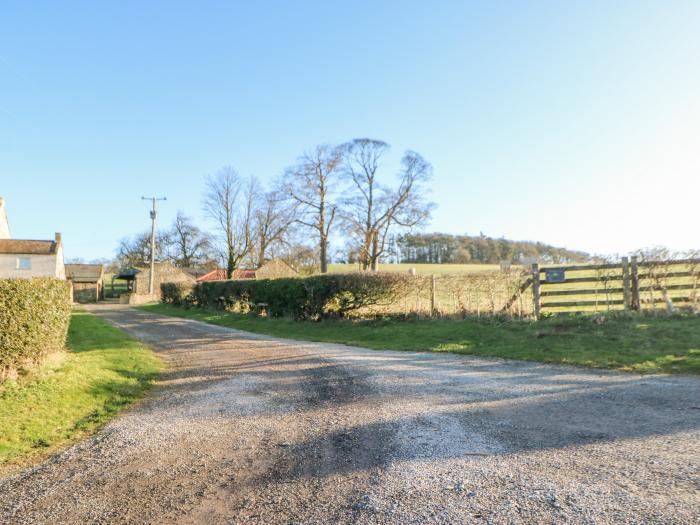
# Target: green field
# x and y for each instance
(631, 343)
(421, 269)
(103, 371)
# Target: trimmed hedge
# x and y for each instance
(34, 317)
(177, 294)
(316, 297)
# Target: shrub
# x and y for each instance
(178, 294)
(316, 297)
(34, 317)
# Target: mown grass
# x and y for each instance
(640, 344)
(103, 371)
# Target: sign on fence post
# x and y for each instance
(554, 275)
(536, 289)
(626, 282)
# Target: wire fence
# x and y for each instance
(461, 295)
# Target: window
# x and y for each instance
(24, 263)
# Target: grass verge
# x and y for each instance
(74, 393)
(640, 344)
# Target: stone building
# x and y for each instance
(86, 281)
(26, 258)
(273, 269)
(138, 282)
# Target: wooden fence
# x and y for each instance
(629, 285)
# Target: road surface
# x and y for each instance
(244, 428)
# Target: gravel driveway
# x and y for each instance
(245, 428)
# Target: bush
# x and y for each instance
(34, 317)
(178, 294)
(316, 297)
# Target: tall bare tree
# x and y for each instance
(309, 185)
(272, 219)
(189, 245)
(229, 202)
(371, 210)
(136, 250)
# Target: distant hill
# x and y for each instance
(442, 248)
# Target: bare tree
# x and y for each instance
(229, 202)
(372, 210)
(309, 186)
(136, 250)
(188, 244)
(302, 258)
(271, 221)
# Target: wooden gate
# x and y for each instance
(628, 285)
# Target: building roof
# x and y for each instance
(27, 247)
(220, 275)
(127, 274)
(244, 274)
(86, 273)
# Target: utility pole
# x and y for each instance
(153, 239)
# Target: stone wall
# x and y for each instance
(137, 298)
(165, 273)
(86, 292)
(42, 266)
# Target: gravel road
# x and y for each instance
(244, 428)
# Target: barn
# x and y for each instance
(86, 282)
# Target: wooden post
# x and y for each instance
(635, 284)
(626, 282)
(536, 289)
(432, 295)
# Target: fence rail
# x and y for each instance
(520, 291)
(616, 286)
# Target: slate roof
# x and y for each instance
(27, 247)
(127, 274)
(85, 273)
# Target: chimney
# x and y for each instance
(58, 238)
(4, 225)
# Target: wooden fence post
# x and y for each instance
(626, 282)
(432, 295)
(635, 284)
(536, 289)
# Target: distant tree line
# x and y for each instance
(441, 248)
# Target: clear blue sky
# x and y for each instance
(574, 125)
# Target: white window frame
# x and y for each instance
(27, 263)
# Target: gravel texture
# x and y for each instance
(244, 428)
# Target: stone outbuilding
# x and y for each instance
(273, 269)
(87, 282)
(138, 281)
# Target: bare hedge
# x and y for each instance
(34, 318)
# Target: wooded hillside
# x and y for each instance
(440, 248)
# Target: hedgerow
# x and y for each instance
(177, 294)
(316, 297)
(34, 317)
